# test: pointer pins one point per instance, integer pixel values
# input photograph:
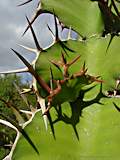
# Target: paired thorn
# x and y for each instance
(37, 13)
(56, 27)
(64, 47)
(115, 8)
(56, 35)
(64, 64)
(34, 36)
(32, 71)
(74, 60)
(56, 64)
(111, 18)
(80, 73)
(53, 93)
(95, 79)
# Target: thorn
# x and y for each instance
(34, 36)
(65, 47)
(80, 73)
(101, 88)
(83, 66)
(24, 90)
(38, 12)
(69, 33)
(116, 10)
(64, 61)
(112, 36)
(51, 79)
(32, 71)
(117, 83)
(57, 65)
(27, 48)
(22, 95)
(74, 60)
(19, 128)
(50, 30)
(24, 3)
(56, 27)
(116, 107)
(51, 73)
(51, 124)
(52, 94)
(95, 79)
(46, 111)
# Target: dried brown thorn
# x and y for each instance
(95, 79)
(33, 72)
(73, 61)
(63, 63)
(80, 73)
(53, 93)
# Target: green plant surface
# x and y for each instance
(97, 129)
(93, 53)
(70, 14)
(86, 20)
(87, 124)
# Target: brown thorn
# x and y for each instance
(52, 94)
(54, 91)
(95, 79)
(32, 71)
(63, 59)
(81, 73)
(55, 63)
(74, 60)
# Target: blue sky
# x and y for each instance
(12, 26)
